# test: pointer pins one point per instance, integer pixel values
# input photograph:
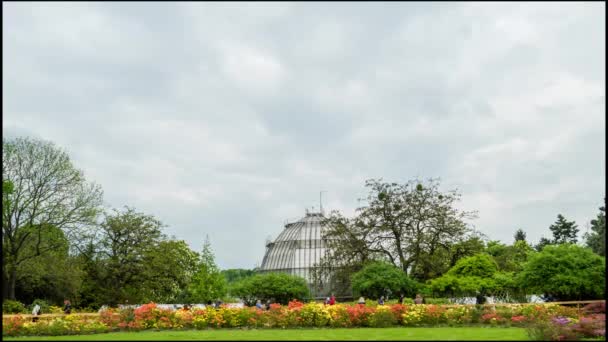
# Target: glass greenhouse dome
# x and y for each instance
(297, 249)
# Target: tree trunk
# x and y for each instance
(12, 280)
(4, 284)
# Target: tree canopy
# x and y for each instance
(47, 192)
(276, 287)
(566, 271)
(406, 225)
(564, 231)
(596, 239)
(207, 284)
(380, 279)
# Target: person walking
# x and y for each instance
(332, 300)
(67, 309)
(401, 297)
(381, 300)
(418, 299)
(36, 312)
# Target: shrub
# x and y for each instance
(383, 317)
(436, 301)
(556, 329)
(598, 307)
(591, 326)
(376, 277)
(567, 271)
(278, 287)
(459, 315)
(13, 307)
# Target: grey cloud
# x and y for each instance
(227, 119)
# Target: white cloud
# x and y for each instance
(228, 119)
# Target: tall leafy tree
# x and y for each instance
(404, 224)
(277, 287)
(54, 276)
(542, 243)
(596, 240)
(47, 192)
(520, 235)
(236, 274)
(509, 258)
(380, 278)
(567, 271)
(473, 275)
(564, 231)
(169, 268)
(127, 237)
(207, 284)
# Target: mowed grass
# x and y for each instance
(395, 334)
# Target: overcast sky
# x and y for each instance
(227, 119)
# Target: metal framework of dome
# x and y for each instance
(297, 249)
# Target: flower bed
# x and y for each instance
(297, 314)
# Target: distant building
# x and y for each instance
(296, 251)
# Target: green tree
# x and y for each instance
(207, 284)
(169, 268)
(236, 274)
(567, 271)
(92, 293)
(47, 191)
(380, 278)
(509, 258)
(564, 231)
(472, 275)
(466, 248)
(542, 243)
(127, 237)
(520, 235)
(596, 240)
(53, 276)
(276, 287)
(404, 224)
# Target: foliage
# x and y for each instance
(378, 278)
(542, 243)
(207, 284)
(413, 226)
(509, 258)
(236, 274)
(277, 287)
(48, 192)
(169, 268)
(53, 276)
(480, 265)
(126, 238)
(474, 275)
(520, 235)
(568, 272)
(564, 231)
(13, 307)
(596, 240)
(296, 314)
(560, 328)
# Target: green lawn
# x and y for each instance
(430, 334)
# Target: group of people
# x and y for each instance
(37, 310)
(330, 300)
(418, 300)
(261, 306)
